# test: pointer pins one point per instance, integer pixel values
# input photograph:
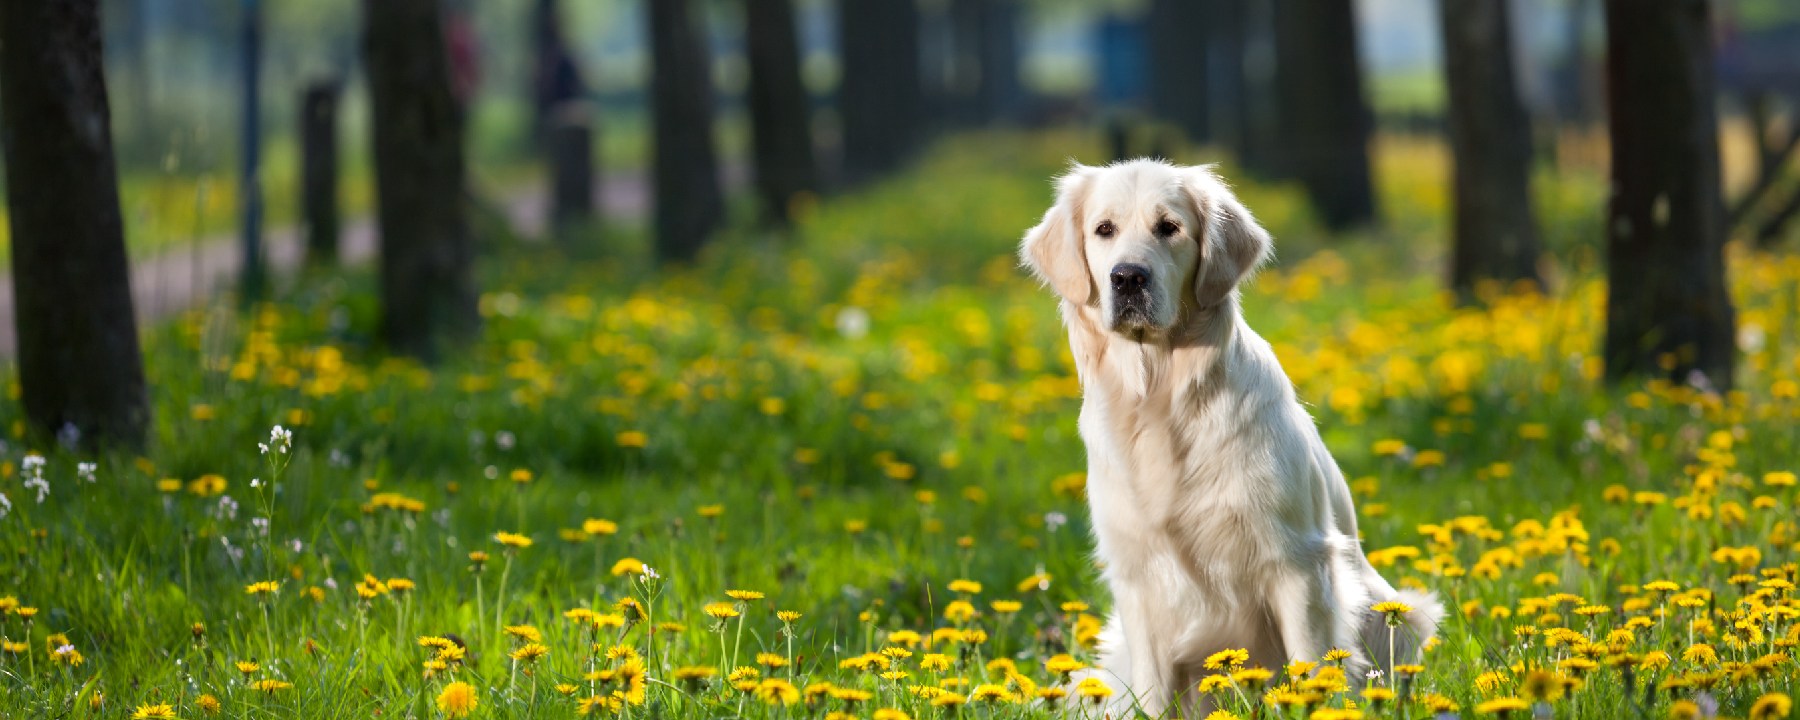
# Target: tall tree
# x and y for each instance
(780, 119)
(1668, 311)
(881, 95)
(1496, 235)
(689, 203)
(79, 363)
(555, 76)
(1179, 43)
(428, 297)
(1324, 119)
(985, 44)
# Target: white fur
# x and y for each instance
(1220, 519)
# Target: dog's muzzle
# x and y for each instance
(1131, 293)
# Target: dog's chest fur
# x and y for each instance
(1179, 461)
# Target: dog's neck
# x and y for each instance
(1149, 365)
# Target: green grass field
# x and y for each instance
(837, 475)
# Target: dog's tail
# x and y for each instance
(1387, 646)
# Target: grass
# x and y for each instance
(848, 422)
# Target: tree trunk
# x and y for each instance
(881, 96)
(79, 363)
(319, 172)
(556, 78)
(428, 294)
(1496, 235)
(571, 143)
(780, 119)
(1668, 310)
(1227, 81)
(1324, 119)
(689, 204)
(1178, 44)
(985, 42)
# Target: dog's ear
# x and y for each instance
(1053, 250)
(1233, 245)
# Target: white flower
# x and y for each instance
(41, 486)
(281, 438)
(86, 470)
(1374, 675)
(34, 461)
(1054, 520)
(255, 482)
(650, 573)
(65, 649)
(5, 505)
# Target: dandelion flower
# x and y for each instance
(154, 712)
(1224, 659)
(1093, 689)
(457, 700)
(271, 685)
(1773, 706)
(512, 541)
(720, 610)
(530, 652)
(1502, 706)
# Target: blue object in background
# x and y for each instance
(1124, 64)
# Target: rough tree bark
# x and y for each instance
(689, 203)
(428, 298)
(79, 363)
(1668, 311)
(1495, 233)
(780, 118)
(1179, 44)
(1324, 120)
(881, 95)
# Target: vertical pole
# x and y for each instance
(250, 199)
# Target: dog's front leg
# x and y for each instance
(1302, 605)
(1150, 666)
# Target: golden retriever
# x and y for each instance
(1220, 519)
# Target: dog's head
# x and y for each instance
(1144, 241)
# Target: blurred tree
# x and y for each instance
(428, 292)
(79, 363)
(1322, 116)
(689, 203)
(779, 115)
(556, 78)
(1496, 234)
(319, 171)
(1668, 311)
(1180, 40)
(985, 42)
(880, 98)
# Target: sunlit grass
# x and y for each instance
(871, 427)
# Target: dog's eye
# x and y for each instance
(1166, 228)
(1105, 229)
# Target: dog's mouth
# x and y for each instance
(1132, 316)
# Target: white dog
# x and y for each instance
(1221, 520)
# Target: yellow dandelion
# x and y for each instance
(457, 700)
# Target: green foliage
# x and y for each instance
(848, 420)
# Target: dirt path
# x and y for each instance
(176, 280)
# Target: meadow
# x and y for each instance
(836, 475)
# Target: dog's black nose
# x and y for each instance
(1130, 278)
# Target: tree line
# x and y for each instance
(1277, 83)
